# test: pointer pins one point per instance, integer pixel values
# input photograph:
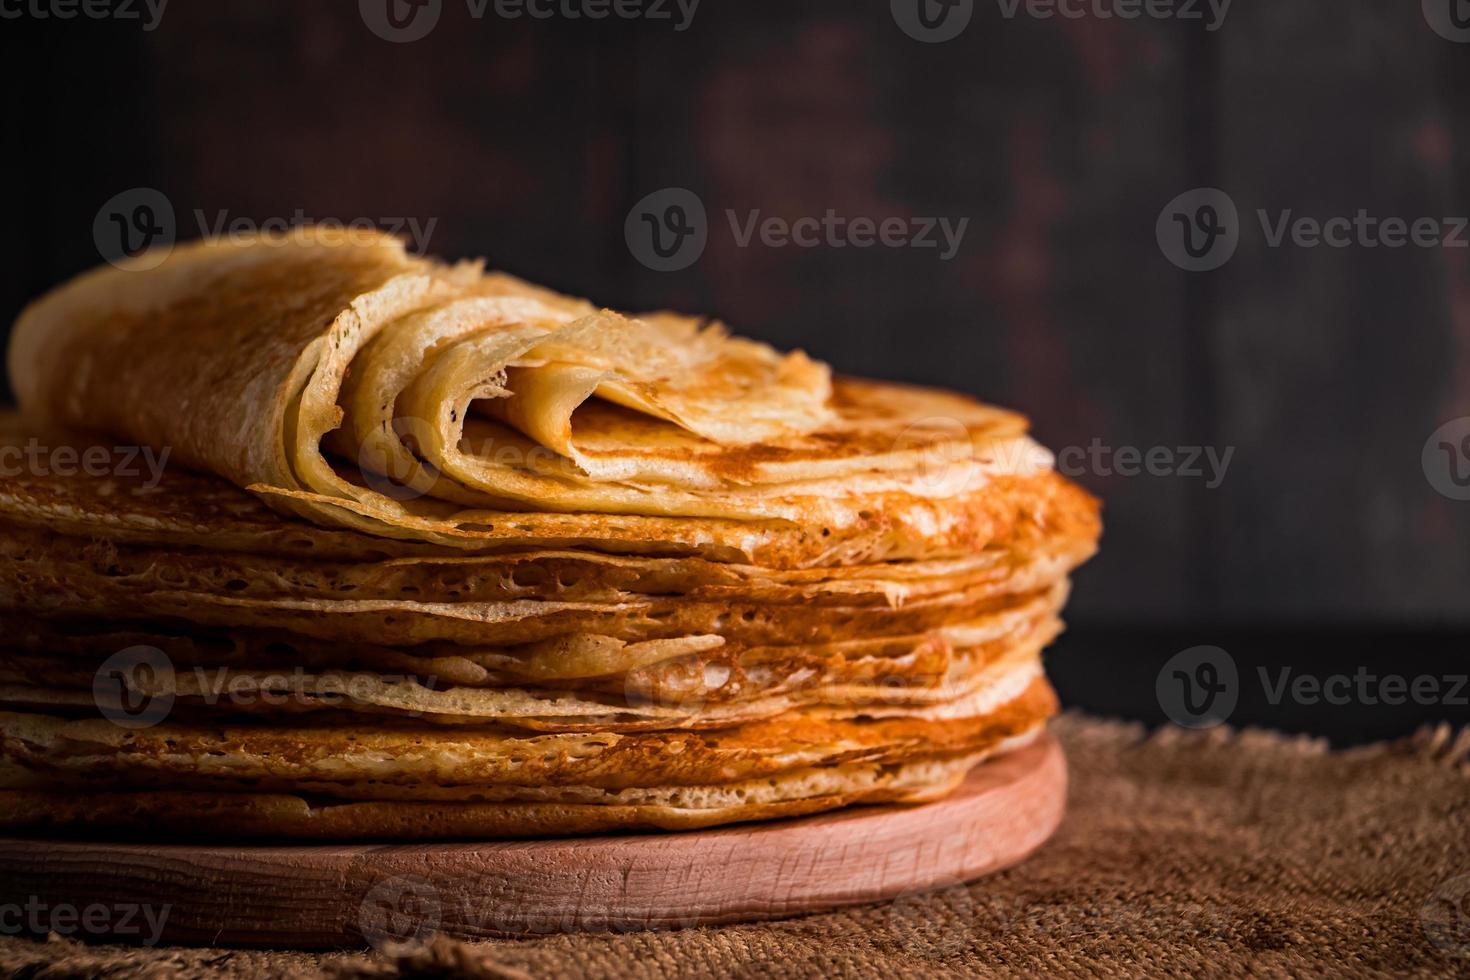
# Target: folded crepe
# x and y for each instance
(362, 387)
(437, 552)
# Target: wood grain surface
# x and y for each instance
(351, 894)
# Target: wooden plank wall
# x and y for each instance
(1060, 140)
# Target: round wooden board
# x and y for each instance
(340, 895)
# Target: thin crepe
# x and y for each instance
(286, 816)
(473, 394)
(124, 496)
(428, 763)
(694, 691)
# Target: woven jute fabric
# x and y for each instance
(1183, 854)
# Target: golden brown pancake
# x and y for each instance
(477, 393)
(698, 690)
(122, 499)
(179, 813)
(410, 550)
(427, 763)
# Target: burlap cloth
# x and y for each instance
(1183, 853)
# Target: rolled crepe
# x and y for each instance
(359, 386)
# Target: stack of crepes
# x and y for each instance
(439, 553)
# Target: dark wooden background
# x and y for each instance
(1060, 140)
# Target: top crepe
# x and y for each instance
(362, 387)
